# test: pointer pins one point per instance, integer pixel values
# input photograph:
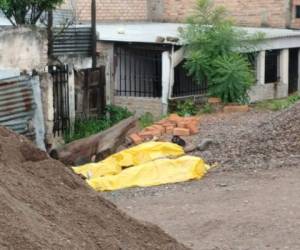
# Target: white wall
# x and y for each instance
(23, 49)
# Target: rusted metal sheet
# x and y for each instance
(17, 105)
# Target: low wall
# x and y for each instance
(268, 91)
(140, 105)
(23, 49)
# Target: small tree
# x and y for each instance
(214, 49)
(21, 12)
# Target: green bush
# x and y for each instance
(213, 47)
(186, 108)
(87, 127)
(231, 79)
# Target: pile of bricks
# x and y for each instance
(173, 125)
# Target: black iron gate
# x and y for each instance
(60, 99)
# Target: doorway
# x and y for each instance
(293, 70)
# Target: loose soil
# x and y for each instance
(250, 201)
(43, 205)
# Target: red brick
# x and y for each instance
(181, 131)
(146, 135)
(214, 100)
(236, 108)
(170, 130)
(136, 139)
(174, 118)
(160, 127)
(193, 127)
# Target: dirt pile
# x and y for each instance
(43, 205)
(274, 142)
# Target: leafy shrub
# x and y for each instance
(186, 108)
(212, 52)
(207, 109)
(87, 127)
(231, 79)
(146, 120)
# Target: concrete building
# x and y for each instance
(145, 72)
(138, 42)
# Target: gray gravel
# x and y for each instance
(257, 139)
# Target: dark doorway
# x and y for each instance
(293, 70)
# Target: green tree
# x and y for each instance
(21, 12)
(214, 52)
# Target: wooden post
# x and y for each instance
(94, 34)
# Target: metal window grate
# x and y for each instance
(138, 72)
(185, 85)
(272, 75)
(297, 11)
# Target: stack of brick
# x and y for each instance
(173, 125)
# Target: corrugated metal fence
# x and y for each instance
(17, 105)
(71, 40)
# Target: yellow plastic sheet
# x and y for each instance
(153, 173)
(143, 153)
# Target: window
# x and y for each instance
(297, 11)
(272, 71)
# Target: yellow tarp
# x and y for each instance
(153, 173)
(130, 157)
(145, 165)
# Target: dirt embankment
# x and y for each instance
(43, 205)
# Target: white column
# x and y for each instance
(110, 83)
(284, 66)
(261, 67)
(166, 80)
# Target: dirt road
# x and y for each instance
(226, 210)
(249, 202)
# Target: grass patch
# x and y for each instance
(86, 127)
(146, 120)
(278, 104)
(207, 109)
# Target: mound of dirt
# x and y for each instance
(274, 142)
(43, 205)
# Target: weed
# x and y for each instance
(278, 104)
(207, 109)
(87, 127)
(186, 108)
(146, 120)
